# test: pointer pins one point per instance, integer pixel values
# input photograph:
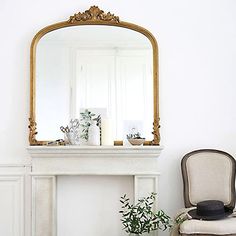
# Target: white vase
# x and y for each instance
(93, 135)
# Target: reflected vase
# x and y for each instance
(93, 135)
(72, 138)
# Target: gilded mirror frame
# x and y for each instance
(93, 16)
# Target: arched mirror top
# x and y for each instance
(116, 50)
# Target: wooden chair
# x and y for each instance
(208, 175)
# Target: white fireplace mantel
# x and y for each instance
(92, 160)
(48, 162)
(153, 151)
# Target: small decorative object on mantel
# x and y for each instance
(71, 132)
(140, 218)
(58, 142)
(90, 125)
(106, 131)
(135, 138)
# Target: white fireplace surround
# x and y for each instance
(141, 162)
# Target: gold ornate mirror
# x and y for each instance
(95, 61)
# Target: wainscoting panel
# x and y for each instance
(11, 205)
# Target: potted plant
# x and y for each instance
(135, 138)
(90, 125)
(140, 218)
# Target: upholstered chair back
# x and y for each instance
(208, 174)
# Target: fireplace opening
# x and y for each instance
(89, 205)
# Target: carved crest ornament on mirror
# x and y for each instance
(93, 60)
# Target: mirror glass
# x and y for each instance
(106, 69)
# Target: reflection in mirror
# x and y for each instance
(106, 69)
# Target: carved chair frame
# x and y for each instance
(186, 189)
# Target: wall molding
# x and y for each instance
(12, 188)
(16, 177)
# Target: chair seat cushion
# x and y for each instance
(218, 227)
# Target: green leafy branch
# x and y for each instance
(134, 136)
(140, 218)
(86, 119)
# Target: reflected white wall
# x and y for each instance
(53, 78)
(119, 80)
(94, 67)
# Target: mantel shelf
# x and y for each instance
(91, 151)
(107, 160)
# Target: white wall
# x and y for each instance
(197, 74)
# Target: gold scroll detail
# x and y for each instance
(93, 14)
(156, 132)
(32, 133)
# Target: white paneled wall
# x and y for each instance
(11, 205)
(14, 204)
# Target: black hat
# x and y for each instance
(210, 210)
